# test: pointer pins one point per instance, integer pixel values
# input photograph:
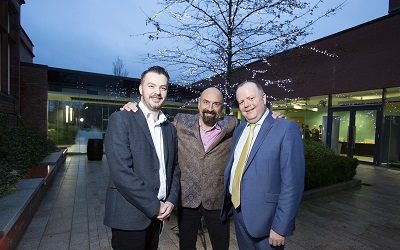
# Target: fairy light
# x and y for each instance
(270, 30)
(323, 52)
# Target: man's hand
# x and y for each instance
(130, 106)
(275, 114)
(276, 239)
(165, 210)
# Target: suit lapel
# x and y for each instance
(240, 130)
(194, 126)
(166, 138)
(139, 116)
(219, 138)
(223, 126)
(264, 130)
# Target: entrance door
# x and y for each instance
(354, 132)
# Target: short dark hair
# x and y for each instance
(155, 69)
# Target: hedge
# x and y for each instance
(324, 167)
(20, 150)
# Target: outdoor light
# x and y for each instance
(81, 119)
(70, 114)
(66, 113)
(295, 106)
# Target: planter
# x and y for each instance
(95, 149)
(17, 209)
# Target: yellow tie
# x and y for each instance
(240, 167)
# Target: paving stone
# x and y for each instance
(79, 238)
(58, 225)
(55, 241)
(29, 244)
(82, 246)
(71, 214)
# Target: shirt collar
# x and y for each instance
(260, 122)
(161, 117)
(216, 126)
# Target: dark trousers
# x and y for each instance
(189, 221)
(245, 240)
(146, 239)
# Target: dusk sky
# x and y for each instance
(89, 35)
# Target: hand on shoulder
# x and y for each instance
(130, 106)
(276, 114)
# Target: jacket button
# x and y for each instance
(156, 188)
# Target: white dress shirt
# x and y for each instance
(156, 135)
(240, 145)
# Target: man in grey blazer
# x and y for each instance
(141, 150)
(263, 193)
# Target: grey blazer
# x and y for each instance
(131, 199)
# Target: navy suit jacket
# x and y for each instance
(273, 180)
(131, 199)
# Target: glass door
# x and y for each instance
(340, 129)
(364, 135)
(354, 132)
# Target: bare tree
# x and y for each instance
(119, 68)
(215, 37)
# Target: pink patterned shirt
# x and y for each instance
(208, 137)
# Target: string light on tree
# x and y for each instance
(212, 39)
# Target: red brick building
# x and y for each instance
(23, 90)
(10, 58)
(346, 84)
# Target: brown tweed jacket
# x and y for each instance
(202, 172)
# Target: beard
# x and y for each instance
(152, 105)
(209, 120)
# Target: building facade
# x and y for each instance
(80, 103)
(10, 58)
(344, 86)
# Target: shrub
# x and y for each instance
(324, 167)
(8, 177)
(20, 150)
(61, 136)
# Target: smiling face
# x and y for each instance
(210, 106)
(252, 101)
(153, 89)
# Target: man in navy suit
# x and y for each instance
(266, 196)
(141, 150)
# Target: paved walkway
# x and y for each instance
(71, 214)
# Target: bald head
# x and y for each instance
(212, 91)
(210, 106)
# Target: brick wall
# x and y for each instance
(33, 97)
(9, 66)
(25, 48)
(10, 106)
